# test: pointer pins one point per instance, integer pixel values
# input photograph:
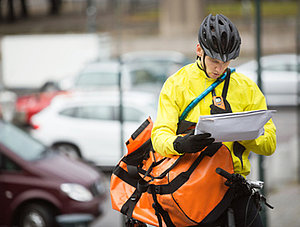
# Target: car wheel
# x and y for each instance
(68, 150)
(36, 215)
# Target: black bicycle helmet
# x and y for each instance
(219, 38)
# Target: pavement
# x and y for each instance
(286, 202)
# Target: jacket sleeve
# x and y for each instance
(266, 143)
(165, 126)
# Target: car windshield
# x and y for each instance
(142, 73)
(97, 79)
(152, 72)
(20, 142)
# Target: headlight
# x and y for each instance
(77, 192)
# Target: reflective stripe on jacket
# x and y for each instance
(188, 83)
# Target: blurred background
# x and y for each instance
(63, 63)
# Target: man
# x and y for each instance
(219, 43)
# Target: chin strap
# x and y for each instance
(204, 66)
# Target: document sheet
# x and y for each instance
(227, 127)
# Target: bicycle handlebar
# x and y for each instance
(250, 186)
(223, 173)
(238, 178)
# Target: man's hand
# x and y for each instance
(192, 143)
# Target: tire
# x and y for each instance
(37, 215)
(68, 150)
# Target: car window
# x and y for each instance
(152, 71)
(9, 165)
(20, 142)
(70, 112)
(129, 114)
(142, 76)
(294, 67)
(281, 67)
(95, 112)
(96, 79)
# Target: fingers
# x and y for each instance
(204, 142)
(201, 136)
(192, 143)
(210, 141)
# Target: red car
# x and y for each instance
(37, 186)
(28, 105)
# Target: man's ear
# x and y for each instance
(199, 50)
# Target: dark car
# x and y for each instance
(37, 185)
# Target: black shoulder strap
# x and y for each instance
(226, 84)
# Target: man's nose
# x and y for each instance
(219, 67)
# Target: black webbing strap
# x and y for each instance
(225, 87)
(226, 84)
(219, 209)
(163, 174)
(130, 204)
(169, 169)
(159, 211)
(139, 154)
(122, 174)
(183, 177)
(146, 172)
(131, 222)
(134, 170)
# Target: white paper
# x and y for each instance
(238, 126)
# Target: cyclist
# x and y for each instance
(219, 43)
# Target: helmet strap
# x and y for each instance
(204, 65)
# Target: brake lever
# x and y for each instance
(265, 201)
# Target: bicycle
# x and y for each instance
(243, 187)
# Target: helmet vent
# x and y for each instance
(223, 41)
(215, 43)
(204, 35)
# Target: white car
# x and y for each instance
(139, 71)
(280, 79)
(87, 124)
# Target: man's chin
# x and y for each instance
(214, 76)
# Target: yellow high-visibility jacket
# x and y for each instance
(188, 83)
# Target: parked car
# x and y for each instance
(139, 71)
(86, 124)
(280, 80)
(28, 105)
(37, 185)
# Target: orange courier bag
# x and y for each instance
(179, 191)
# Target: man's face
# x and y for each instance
(214, 67)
